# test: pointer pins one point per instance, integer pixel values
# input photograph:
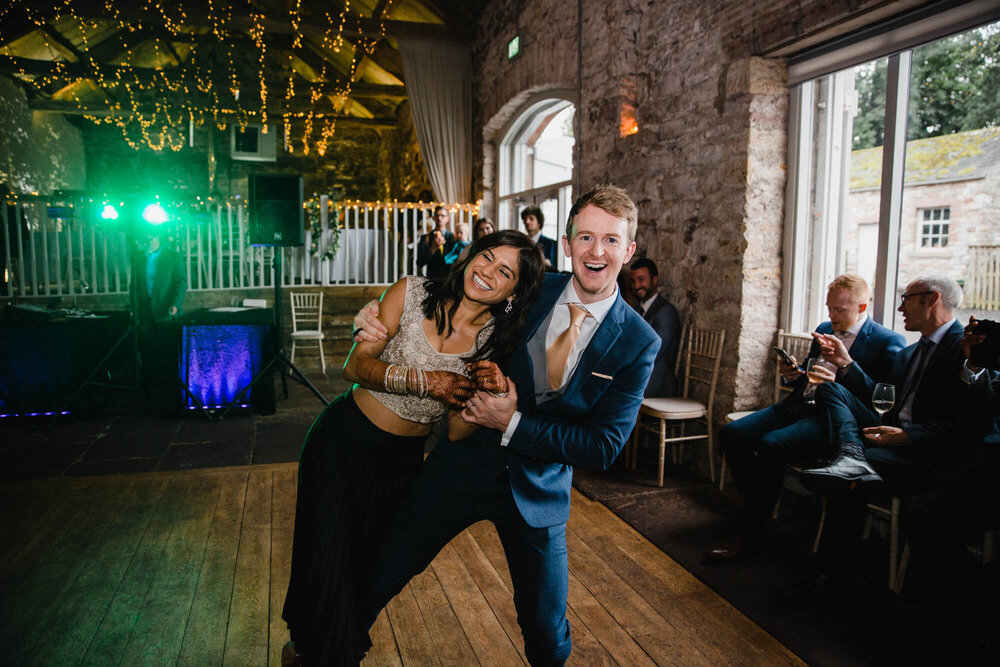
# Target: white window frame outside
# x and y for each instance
(942, 221)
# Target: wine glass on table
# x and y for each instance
(883, 398)
(809, 394)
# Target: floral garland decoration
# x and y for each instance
(313, 213)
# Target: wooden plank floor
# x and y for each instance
(190, 568)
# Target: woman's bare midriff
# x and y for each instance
(384, 418)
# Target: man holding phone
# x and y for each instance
(760, 445)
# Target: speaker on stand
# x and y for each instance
(277, 220)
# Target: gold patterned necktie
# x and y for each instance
(558, 353)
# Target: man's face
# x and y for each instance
(916, 309)
(598, 250)
(531, 225)
(844, 309)
(641, 284)
(441, 219)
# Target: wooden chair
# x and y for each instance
(307, 322)
(701, 350)
(797, 345)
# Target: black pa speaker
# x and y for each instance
(276, 217)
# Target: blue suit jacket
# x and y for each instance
(586, 425)
(875, 348)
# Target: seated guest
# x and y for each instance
(759, 446)
(927, 439)
(643, 279)
(461, 243)
(433, 246)
(533, 220)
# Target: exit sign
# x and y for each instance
(514, 47)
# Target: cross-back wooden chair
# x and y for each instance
(700, 354)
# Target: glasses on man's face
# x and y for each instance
(906, 295)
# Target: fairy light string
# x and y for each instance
(154, 106)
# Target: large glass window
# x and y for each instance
(536, 166)
(894, 168)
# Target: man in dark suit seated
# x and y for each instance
(533, 219)
(927, 439)
(759, 446)
(643, 280)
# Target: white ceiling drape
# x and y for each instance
(439, 85)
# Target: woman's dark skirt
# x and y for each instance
(352, 476)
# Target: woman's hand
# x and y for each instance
(488, 377)
(452, 389)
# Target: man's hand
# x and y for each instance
(790, 371)
(832, 349)
(487, 376)
(173, 312)
(885, 436)
(491, 411)
(823, 373)
(371, 328)
(970, 340)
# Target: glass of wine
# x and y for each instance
(883, 398)
(809, 394)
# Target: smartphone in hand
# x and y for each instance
(787, 358)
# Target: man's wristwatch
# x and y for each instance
(843, 369)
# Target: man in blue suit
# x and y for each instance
(759, 446)
(575, 384)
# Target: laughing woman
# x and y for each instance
(362, 451)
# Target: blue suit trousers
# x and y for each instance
(432, 515)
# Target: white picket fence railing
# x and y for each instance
(60, 249)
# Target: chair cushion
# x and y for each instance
(733, 416)
(673, 408)
(308, 335)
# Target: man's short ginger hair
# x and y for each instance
(853, 283)
(610, 199)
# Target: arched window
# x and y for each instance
(536, 166)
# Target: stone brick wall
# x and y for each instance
(707, 167)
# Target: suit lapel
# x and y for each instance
(861, 339)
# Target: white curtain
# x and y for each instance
(439, 85)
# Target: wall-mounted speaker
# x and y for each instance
(276, 216)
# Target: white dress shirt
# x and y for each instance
(647, 303)
(559, 323)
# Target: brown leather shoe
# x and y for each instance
(727, 552)
(289, 658)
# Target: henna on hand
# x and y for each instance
(452, 389)
(488, 376)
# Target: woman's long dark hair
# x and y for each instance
(443, 296)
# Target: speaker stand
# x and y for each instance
(280, 357)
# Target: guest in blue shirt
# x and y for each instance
(460, 244)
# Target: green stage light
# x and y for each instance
(109, 212)
(154, 214)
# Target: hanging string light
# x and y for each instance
(157, 107)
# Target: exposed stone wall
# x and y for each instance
(707, 167)
(39, 152)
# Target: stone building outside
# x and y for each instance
(951, 210)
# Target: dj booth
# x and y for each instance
(222, 350)
(46, 355)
